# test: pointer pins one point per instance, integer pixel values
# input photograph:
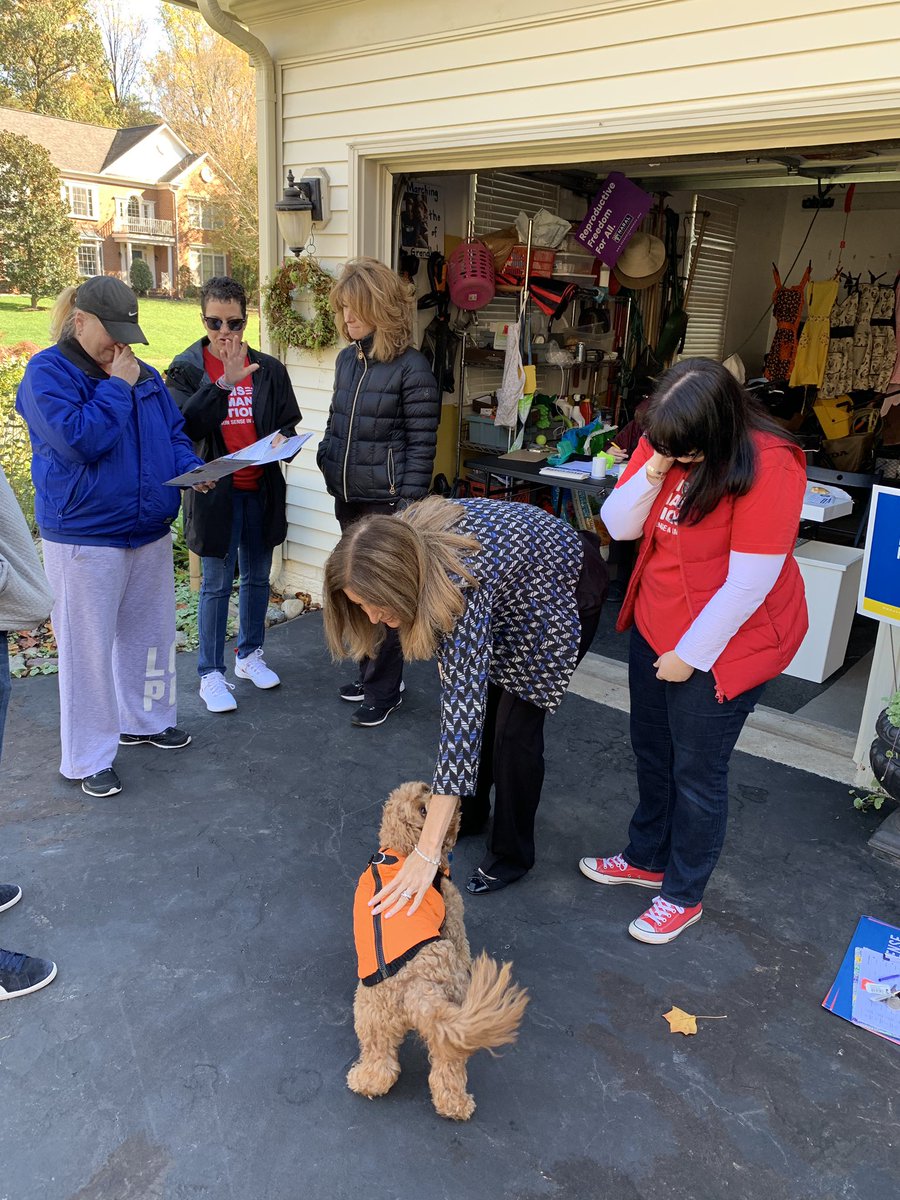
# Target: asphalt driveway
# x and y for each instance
(196, 1039)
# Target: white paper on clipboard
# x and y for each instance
(257, 455)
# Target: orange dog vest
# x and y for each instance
(384, 946)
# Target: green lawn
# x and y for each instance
(170, 325)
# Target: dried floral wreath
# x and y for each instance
(287, 327)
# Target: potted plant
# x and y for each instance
(884, 753)
(884, 756)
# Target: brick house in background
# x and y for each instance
(133, 193)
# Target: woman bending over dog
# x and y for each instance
(507, 598)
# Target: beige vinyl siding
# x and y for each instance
(421, 84)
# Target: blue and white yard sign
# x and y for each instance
(879, 588)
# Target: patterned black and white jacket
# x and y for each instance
(520, 628)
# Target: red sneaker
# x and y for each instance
(663, 921)
(617, 870)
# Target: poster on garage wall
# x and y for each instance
(613, 216)
(421, 220)
(879, 587)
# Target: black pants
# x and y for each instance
(380, 676)
(512, 746)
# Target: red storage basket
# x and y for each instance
(470, 275)
(542, 260)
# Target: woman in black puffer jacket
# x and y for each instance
(379, 442)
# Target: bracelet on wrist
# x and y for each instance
(654, 475)
(225, 387)
(435, 862)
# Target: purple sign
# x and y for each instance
(613, 216)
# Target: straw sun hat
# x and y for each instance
(642, 263)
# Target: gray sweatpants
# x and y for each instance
(114, 622)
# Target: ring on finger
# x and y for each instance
(406, 895)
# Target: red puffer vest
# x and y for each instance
(768, 640)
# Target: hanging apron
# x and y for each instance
(787, 307)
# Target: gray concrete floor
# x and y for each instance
(195, 1042)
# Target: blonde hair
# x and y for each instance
(62, 318)
(412, 565)
(380, 298)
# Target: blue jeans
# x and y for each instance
(682, 738)
(254, 560)
(5, 685)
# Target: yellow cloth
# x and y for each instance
(812, 352)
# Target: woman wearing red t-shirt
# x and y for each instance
(230, 396)
(714, 490)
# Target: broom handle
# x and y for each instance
(524, 298)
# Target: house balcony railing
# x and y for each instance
(141, 227)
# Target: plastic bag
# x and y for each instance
(546, 229)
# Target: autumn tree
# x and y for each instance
(51, 60)
(204, 87)
(38, 241)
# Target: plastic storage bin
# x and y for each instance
(483, 432)
(831, 576)
(569, 263)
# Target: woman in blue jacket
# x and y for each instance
(105, 436)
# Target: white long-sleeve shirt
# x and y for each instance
(749, 580)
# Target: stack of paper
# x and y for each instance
(866, 989)
(257, 455)
(574, 470)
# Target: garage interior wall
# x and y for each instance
(418, 84)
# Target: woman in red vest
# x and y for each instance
(714, 490)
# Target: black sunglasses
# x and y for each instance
(235, 324)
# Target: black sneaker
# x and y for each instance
(355, 692)
(103, 783)
(20, 974)
(169, 739)
(371, 714)
(10, 894)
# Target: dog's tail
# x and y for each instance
(491, 1012)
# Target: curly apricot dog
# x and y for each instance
(431, 986)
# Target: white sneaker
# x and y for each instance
(254, 668)
(215, 692)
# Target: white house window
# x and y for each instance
(79, 199)
(203, 214)
(88, 259)
(134, 209)
(205, 264)
(707, 305)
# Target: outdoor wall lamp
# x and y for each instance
(303, 203)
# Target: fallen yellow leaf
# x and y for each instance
(681, 1021)
(685, 1022)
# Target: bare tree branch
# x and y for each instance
(123, 39)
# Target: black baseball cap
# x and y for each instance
(114, 304)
